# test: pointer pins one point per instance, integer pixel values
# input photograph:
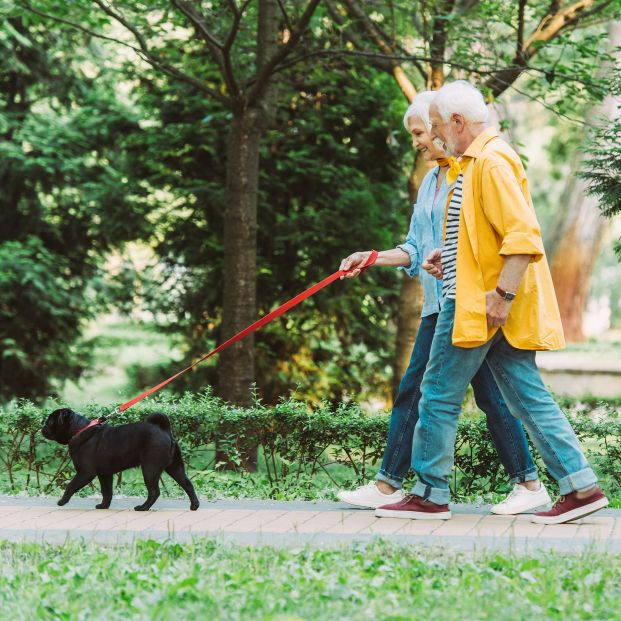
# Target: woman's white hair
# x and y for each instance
(460, 97)
(419, 108)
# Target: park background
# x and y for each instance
(170, 171)
(173, 171)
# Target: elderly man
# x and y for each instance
(499, 306)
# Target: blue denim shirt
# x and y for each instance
(425, 234)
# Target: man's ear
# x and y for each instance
(459, 121)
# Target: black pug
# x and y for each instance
(101, 451)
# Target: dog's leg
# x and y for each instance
(177, 472)
(105, 480)
(151, 480)
(79, 481)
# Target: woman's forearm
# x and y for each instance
(393, 258)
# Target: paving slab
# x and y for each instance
(280, 523)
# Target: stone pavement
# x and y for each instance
(256, 522)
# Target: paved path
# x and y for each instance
(293, 523)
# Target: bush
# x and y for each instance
(301, 448)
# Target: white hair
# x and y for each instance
(419, 108)
(460, 97)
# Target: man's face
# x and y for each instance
(442, 133)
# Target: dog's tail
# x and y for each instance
(161, 420)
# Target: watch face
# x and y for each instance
(509, 296)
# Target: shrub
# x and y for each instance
(300, 447)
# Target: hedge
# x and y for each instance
(297, 443)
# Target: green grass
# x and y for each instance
(208, 580)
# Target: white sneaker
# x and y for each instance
(521, 499)
(369, 496)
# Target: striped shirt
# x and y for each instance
(449, 250)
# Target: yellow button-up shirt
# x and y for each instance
(498, 220)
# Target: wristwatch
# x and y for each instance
(507, 295)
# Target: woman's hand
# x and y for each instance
(354, 262)
(433, 263)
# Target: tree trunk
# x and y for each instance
(579, 229)
(575, 254)
(239, 308)
(236, 367)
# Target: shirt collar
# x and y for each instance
(476, 146)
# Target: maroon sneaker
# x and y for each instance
(414, 508)
(570, 507)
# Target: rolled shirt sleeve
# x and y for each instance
(510, 212)
(412, 247)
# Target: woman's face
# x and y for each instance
(421, 140)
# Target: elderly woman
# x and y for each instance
(426, 234)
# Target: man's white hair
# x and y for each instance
(460, 97)
(419, 108)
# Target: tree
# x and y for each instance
(244, 85)
(495, 43)
(63, 204)
(602, 171)
(330, 178)
(580, 226)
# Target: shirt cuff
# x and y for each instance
(412, 269)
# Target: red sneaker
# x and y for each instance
(414, 508)
(570, 507)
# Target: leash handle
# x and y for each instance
(283, 308)
(370, 261)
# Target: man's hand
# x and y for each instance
(354, 262)
(433, 264)
(497, 309)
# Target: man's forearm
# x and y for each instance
(393, 258)
(513, 271)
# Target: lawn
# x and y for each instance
(211, 580)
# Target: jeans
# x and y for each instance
(507, 433)
(444, 384)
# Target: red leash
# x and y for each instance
(240, 335)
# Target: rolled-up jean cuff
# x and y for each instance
(525, 475)
(387, 478)
(436, 495)
(576, 481)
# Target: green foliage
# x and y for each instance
(602, 169)
(40, 319)
(65, 203)
(330, 184)
(211, 580)
(304, 453)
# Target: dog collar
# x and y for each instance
(91, 424)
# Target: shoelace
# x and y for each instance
(514, 493)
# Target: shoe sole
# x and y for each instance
(522, 510)
(575, 514)
(361, 505)
(413, 515)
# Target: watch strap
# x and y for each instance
(507, 295)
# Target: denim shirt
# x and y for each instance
(425, 234)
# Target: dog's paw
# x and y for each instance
(62, 502)
(141, 508)
(194, 506)
(102, 505)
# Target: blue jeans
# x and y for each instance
(447, 376)
(506, 431)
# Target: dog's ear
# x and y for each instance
(62, 416)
